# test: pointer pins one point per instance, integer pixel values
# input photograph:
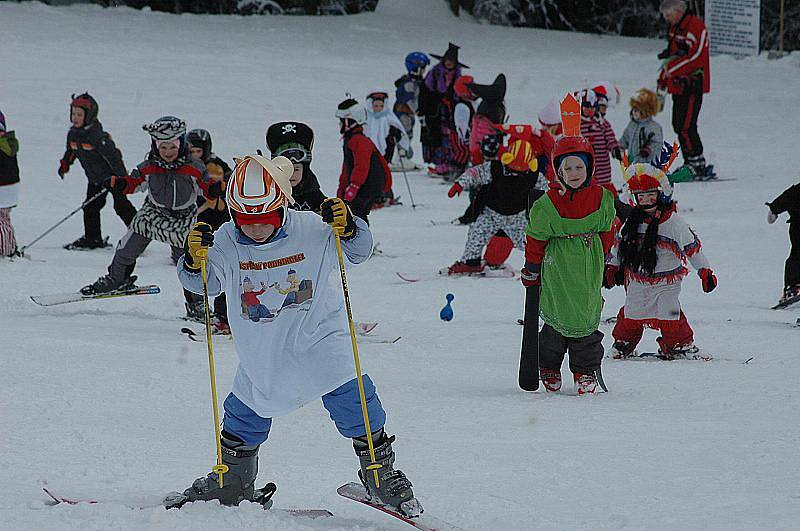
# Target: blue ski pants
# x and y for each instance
(343, 404)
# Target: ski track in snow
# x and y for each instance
(108, 400)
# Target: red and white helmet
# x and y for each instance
(259, 186)
(642, 177)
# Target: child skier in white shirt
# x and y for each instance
(293, 345)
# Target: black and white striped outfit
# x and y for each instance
(505, 200)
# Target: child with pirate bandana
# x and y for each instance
(568, 235)
(295, 141)
(650, 261)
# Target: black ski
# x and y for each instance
(529, 357)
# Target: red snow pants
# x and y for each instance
(673, 332)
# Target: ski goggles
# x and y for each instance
(294, 152)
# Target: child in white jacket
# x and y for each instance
(384, 128)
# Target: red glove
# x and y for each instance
(612, 277)
(644, 152)
(530, 279)
(350, 192)
(455, 190)
(63, 168)
(708, 279)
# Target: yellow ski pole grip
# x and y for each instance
(220, 468)
(362, 396)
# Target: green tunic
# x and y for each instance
(572, 269)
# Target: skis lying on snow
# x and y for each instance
(173, 502)
(357, 492)
(64, 298)
(442, 273)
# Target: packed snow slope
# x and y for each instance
(107, 400)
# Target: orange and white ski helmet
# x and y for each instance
(259, 185)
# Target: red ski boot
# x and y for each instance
(551, 379)
(585, 383)
(465, 268)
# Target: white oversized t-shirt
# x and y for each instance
(285, 309)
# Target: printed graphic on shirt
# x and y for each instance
(266, 303)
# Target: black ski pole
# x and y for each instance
(405, 176)
(65, 218)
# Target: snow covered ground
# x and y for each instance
(107, 399)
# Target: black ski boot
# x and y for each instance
(108, 284)
(237, 483)
(86, 243)
(395, 488)
(196, 311)
(622, 350)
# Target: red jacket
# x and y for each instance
(363, 167)
(688, 50)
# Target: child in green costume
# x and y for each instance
(568, 236)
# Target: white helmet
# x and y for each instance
(352, 111)
(259, 185)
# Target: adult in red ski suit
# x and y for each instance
(686, 75)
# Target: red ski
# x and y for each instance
(357, 492)
(442, 273)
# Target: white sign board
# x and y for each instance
(734, 26)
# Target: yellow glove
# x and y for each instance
(337, 214)
(195, 248)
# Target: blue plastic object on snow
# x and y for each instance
(447, 312)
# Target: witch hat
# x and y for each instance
(451, 53)
(494, 93)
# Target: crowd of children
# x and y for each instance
(535, 187)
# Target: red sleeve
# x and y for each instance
(611, 138)
(608, 239)
(362, 153)
(342, 183)
(534, 250)
(697, 37)
(387, 183)
(131, 183)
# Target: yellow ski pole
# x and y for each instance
(220, 468)
(373, 465)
